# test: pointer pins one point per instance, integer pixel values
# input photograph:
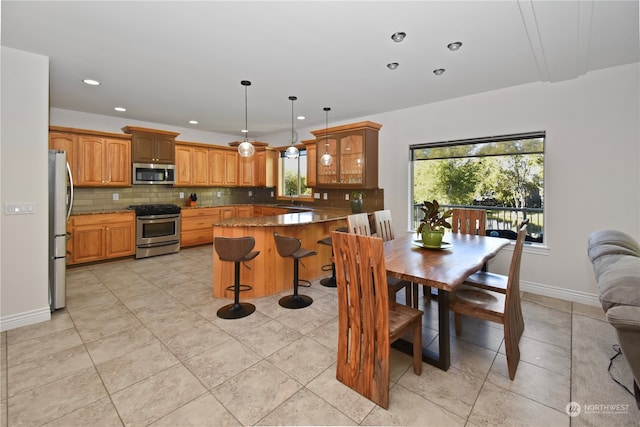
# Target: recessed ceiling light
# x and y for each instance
(91, 82)
(193, 122)
(454, 46)
(120, 109)
(439, 71)
(301, 117)
(392, 65)
(398, 37)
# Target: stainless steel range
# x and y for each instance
(157, 229)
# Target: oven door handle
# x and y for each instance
(155, 219)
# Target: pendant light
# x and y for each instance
(245, 149)
(292, 152)
(326, 158)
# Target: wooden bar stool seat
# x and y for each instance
(236, 250)
(291, 247)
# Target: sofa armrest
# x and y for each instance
(626, 320)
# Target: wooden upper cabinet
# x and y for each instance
(258, 170)
(183, 164)
(310, 146)
(97, 159)
(246, 171)
(102, 162)
(64, 142)
(354, 152)
(192, 165)
(223, 167)
(266, 167)
(151, 145)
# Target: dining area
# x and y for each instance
(372, 267)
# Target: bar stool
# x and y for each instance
(290, 247)
(236, 250)
(330, 282)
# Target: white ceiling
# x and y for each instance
(172, 61)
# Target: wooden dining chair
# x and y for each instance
(359, 224)
(465, 221)
(384, 230)
(469, 221)
(496, 307)
(491, 281)
(367, 324)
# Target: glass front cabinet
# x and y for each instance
(347, 156)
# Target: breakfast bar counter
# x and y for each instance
(269, 273)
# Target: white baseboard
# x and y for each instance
(24, 319)
(561, 293)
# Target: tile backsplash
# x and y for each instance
(100, 199)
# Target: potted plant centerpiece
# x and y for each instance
(433, 224)
(357, 201)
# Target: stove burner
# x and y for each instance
(155, 209)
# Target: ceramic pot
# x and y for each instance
(356, 205)
(432, 239)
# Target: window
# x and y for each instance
(293, 176)
(504, 175)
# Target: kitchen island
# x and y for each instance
(269, 273)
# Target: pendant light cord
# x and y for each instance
(246, 126)
(326, 130)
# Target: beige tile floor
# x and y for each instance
(140, 344)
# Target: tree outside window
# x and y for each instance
(504, 175)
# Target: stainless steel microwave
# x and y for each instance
(152, 173)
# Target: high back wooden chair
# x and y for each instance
(384, 230)
(497, 307)
(469, 221)
(367, 325)
(359, 224)
(465, 221)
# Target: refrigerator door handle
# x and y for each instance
(71, 190)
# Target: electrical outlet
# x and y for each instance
(316, 196)
(346, 196)
(250, 193)
(219, 194)
(182, 195)
(272, 194)
(116, 196)
(326, 196)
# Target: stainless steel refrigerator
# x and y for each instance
(60, 203)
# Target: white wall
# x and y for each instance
(592, 163)
(23, 178)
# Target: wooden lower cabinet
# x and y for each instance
(96, 237)
(244, 211)
(197, 225)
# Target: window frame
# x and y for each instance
(414, 148)
(281, 178)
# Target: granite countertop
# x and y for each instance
(310, 216)
(300, 215)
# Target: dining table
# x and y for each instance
(444, 268)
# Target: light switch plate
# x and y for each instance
(182, 195)
(116, 196)
(326, 196)
(316, 196)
